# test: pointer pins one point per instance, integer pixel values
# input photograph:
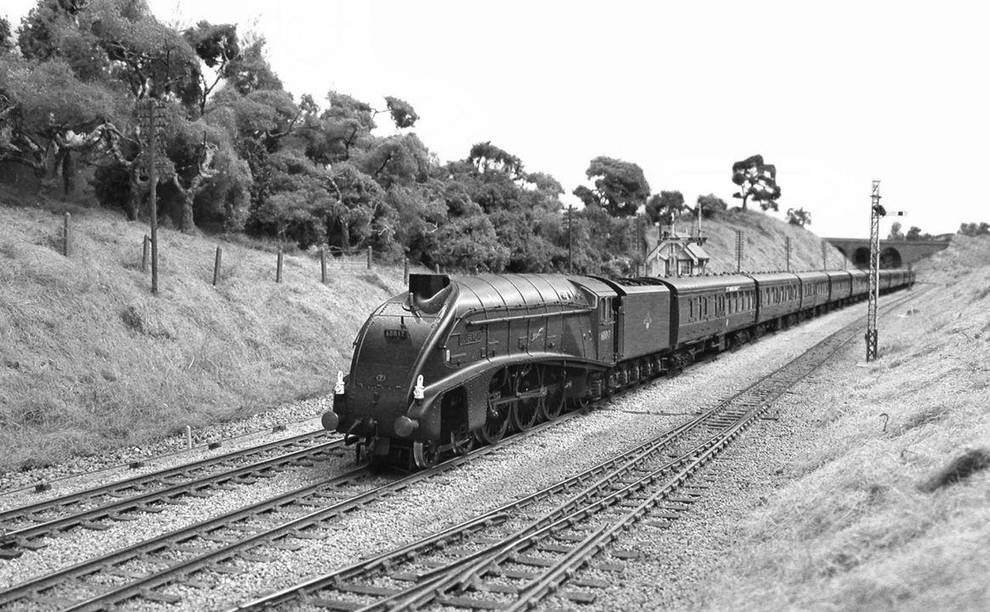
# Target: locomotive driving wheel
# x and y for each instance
(425, 454)
(552, 405)
(495, 426)
(497, 413)
(525, 412)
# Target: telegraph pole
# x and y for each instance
(787, 248)
(570, 214)
(739, 250)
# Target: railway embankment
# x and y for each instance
(873, 493)
(91, 363)
(95, 371)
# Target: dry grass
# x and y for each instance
(90, 359)
(894, 517)
(764, 243)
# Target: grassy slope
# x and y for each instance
(856, 528)
(89, 358)
(764, 243)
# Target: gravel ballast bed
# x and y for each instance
(17, 488)
(513, 472)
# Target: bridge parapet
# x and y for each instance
(893, 253)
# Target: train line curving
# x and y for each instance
(514, 556)
(177, 556)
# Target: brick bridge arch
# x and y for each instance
(893, 253)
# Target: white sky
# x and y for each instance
(834, 94)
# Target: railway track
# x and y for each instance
(142, 570)
(27, 525)
(453, 567)
(514, 556)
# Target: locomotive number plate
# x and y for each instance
(471, 337)
(396, 334)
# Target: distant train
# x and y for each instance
(462, 360)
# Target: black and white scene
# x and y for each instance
(507, 305)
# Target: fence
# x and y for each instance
(331, 260)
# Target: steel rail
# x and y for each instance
(433, 581)
(21, 537)
(144, 586)
(782, 379)
(584, 507)
(143, 481)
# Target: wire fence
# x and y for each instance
(330, 261)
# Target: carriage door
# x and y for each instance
(606, 330)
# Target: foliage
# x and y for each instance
(915, 233)
(975, 229)
(402, 112)
(6, 36)
(620, 186)
(798, 216)
(711, 206)
(46, 112)
(664, 207)
(895, 232)
(756, 180)
(239, 153)
(217, 46)
(249, 70)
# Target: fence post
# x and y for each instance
(144, 253)
(369, 257)
(436, 268)
(216, 266)
(323, 265)
(65, 236)
(405, 270)
(278, 266)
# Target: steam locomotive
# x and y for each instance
(458, 361)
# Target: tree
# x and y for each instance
(895, 232)
(217, 46)
(249, 70)
(47, 114)
(798, 216)
(664, 207)
(974, 229)
(711, 206)
(756, 180)
(6, 36)
(402, 112)
(620, 186)
(487, 157)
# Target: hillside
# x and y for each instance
(90, 360)
(885, 507)
(764, 240)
